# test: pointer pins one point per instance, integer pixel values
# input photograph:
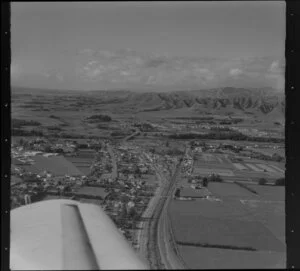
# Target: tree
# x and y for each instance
(133, 214)
(205, 182)
(280, 182)
(215, 178)
(262, 181)
(47, 148)
(177, 193)
(123, 215)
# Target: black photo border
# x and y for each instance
(292, 133)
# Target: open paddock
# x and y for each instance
(216, 231)
(239, 166)
(215, 258)
(265, 167)
(194, 193)
(209, 157)
(92, 191)
(277, 168)
(269, 192)
(83, 164)
(225, 190)
(251, 175)
(254, 167)
(213, 165)
(207, 208)
(271, 213)
(207, 171)
(57, 165)
(270, 151)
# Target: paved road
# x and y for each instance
(114, 173)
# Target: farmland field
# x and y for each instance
(225, 232)
(82, 164)
(93, 191)
(269, 151)
(207, 171)
(230, 190)
(210, 233)
(269, 192)
(190, 192)
(214, 258)
(206, 164)
(57, 165)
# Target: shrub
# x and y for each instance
(18, 123)
(215, 178)
(262, 181)
(205, 182)
(177, 193)
(100, 118)
(53, 117)
(280, 182)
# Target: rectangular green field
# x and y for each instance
(214, 258)
(230, 190)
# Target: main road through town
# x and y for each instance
(114, 173)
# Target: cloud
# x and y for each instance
(235, 72)
(204, 74)
(274, 68)
(127, 66)
(94, 72)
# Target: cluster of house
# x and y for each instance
(187, 164)
(36, 186)
(130, 161)
(102, 166)
(128, 190)
(43, 145)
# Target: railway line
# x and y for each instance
(161, 248)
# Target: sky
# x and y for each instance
(147, 45)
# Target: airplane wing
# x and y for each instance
(67, 235)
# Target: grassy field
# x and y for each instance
(83, 160)
(92, 191)
(82, 164)
(230, 190)
(225, 232)
(247, 169)
(217, 234)
(214, 258)
(267, 192)
(57, 165)
(190, 192)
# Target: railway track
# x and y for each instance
(159, 231)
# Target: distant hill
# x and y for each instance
(262, 102)
(257, 101)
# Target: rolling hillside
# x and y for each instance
(265, 102)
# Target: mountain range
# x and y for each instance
(261, 102)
